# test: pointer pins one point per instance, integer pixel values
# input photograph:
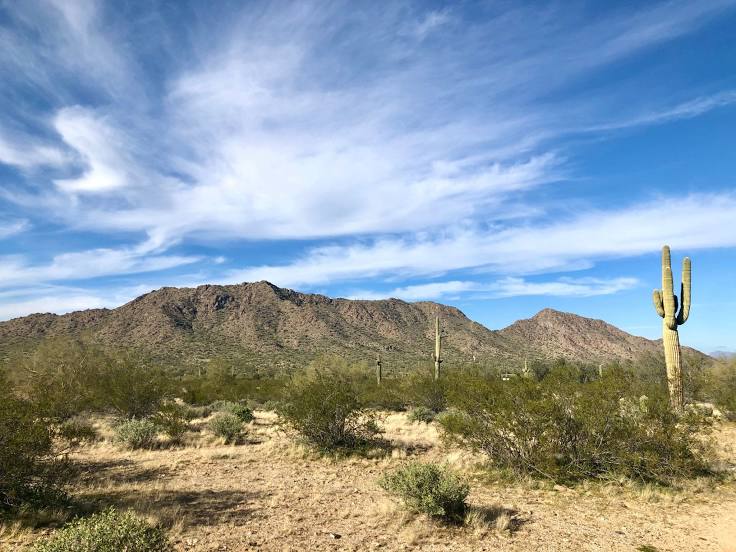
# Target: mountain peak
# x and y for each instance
(551, 313)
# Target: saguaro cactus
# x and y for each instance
(437, 355)
(526, 372)
(665, 302)
(379, 373)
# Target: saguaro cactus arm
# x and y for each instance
(684, 312)
(658, 305)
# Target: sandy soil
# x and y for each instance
(271, 494)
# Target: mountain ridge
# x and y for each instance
(262, 323)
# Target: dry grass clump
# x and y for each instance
(493, 518)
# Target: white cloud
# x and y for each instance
(24, 153)
(10, 228)
(567, 244)
(686, 110)
(505, 287)
(280, 134)
(99, 146)
(563, 287)
(83, 265)
(430, 22)
(53, 304)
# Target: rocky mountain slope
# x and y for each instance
(259, 323)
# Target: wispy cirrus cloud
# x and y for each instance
(11, 227)
(319, 152)
(504, 287)
(16, 270)
(571, 244)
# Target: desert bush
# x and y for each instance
(387, 396)
(171, 419)
(422, 414)
(719, 385)
(271, 405)
(108, 531)
(59, 376)
(130, 386)
(422, 390)
(136, 434)
(240, 410)
(429, 489)
(65, 377)
(227, 425)
(565, 430)
(194, 412)
(77, 430)
(323, 405)
(30, 473)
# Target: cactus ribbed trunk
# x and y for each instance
(666, 305)
(379, 371)
(671, 340)
(437, 348)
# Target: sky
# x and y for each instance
(501, 157)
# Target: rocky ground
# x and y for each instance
(269, 493)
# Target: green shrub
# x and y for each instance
(192, 412)
(58, 377)
(78, 430)
(130, 386)
(423, 391)
(271, 405)
(429, 489)
(422, 414)
(65, 377)
(171, 419)
(565, 430)
(30, 473)
(136, 434)
(240, 410)
(227, 425)
(324, 407)
(108, 531)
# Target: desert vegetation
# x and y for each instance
(555, 424)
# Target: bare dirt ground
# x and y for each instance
(271, 494)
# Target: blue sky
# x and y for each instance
(498, 156)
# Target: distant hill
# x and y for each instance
(260, 324)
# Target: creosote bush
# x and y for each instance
(566, 430)
(172, 420)
(78, 430)
(227, 425)
(108, 531)
(30, 472)
(194, 412)
(424, 391)
(136, 434)
(323, 405)
(66, 377)
(422, 414)
(429, 489)
(240, 410)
